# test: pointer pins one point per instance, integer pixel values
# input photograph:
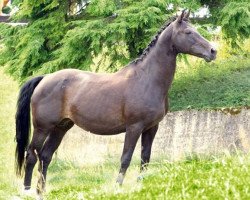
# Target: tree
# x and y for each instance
(63, 34)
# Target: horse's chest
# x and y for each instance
(145, 112)
(153, 117)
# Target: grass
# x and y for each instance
(222, 177)
(224, 83)
(8, 92)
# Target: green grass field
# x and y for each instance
(221, 177)
(8, 93)
(224, 177)
(224, 83)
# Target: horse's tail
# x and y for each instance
(23, 121)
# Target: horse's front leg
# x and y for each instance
(147, 139)
(133, 133)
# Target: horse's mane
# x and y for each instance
(153, 42)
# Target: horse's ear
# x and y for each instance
(180, 18)
(186, 16)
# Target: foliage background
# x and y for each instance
(104, 35)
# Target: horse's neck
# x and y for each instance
(160, 63)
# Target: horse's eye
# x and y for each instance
(188, 32)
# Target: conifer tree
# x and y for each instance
(74, 33)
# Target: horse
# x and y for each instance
(132, 100)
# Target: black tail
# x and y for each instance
(23, 121)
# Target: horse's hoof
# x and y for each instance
(119, 179)
(39, 197)
(29, 192)
(140, 178)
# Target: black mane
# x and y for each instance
(153, 42)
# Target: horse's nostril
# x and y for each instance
(213, 51)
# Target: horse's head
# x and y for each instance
(187, 40)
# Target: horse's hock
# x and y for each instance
(180, 134)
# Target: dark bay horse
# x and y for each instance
(133, 100)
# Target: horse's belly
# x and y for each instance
(100, 115)
(102, 128)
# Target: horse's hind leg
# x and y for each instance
(31, 157)
(51, 144)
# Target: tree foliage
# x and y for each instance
(236, 22)
(71, 34)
